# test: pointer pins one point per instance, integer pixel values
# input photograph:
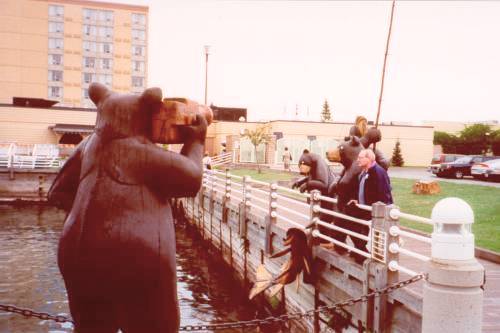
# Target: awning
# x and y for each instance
(72, 129)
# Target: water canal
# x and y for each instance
(30, 278)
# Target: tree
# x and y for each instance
(397, 157)
(326, 114)
(495, 142)
(472, 140)
(258, 136)
(475, 139)
(449, 142)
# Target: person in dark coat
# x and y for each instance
(374, 182)
(374, 186)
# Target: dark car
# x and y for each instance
(458, 168)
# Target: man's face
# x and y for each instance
(363, 161)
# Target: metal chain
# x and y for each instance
(31, 313)
(241, 324)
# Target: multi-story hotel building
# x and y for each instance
(53, 49)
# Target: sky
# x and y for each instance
(283, 59)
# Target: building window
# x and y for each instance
(106, 63)
(139, 19)
(55, 43)
(138, 66)
(89, 46)
(55, 92)
(55, 75)
(55, 59)
(90, 14)
(138, 50)
(105, 31)
(106, 79)
(85, 93)
(88, 62)
(106, 15)
(137, 81)
(106, 48)
(138, 34)
(88, 77)
(56, 27)
(56, 10)
(89, 30)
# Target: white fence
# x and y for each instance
(290, 208)
(29, 156)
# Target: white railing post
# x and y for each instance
(314, 214)
(272, 217)
(381, 238)
(453, 294)
(227, 196)
(245, 205)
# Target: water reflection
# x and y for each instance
(29, 276)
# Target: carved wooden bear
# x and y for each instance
(117, 249)
(347, 186)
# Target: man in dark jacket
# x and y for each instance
(374, 183)
(374, 186)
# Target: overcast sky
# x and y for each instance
(282, 59)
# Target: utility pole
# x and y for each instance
(207, 52)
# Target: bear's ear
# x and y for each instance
(151, 96)
(354, 141)
(97, 92)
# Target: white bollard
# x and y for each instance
(453, 297)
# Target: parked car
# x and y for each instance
(445, 158)
(486, 170)
(460, 167)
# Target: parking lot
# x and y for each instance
(423, 174)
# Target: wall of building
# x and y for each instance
(31, 125)
(24, 49)
(416, 141)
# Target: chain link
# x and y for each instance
(241, 324)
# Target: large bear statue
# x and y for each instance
(117, 249)
(346, 188)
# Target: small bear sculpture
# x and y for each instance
(117, 249)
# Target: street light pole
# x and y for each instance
(207, 52)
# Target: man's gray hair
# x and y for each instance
(368, 153)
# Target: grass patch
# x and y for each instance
(484, 200)
(266, 175)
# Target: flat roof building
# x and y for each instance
(53, 49)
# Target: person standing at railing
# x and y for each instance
(374, 182)
(374, 186)
(207, 161)
(287, 158)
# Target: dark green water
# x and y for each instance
(30, 278)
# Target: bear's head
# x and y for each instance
(120, 115)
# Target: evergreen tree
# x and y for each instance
(397, 157)
(325, 114)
